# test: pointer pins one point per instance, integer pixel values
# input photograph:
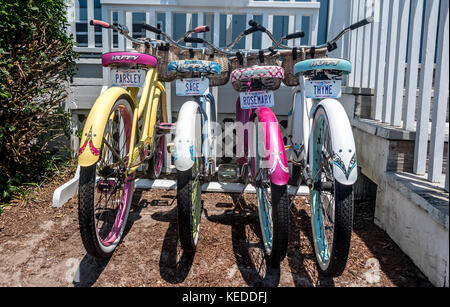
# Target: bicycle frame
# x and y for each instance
(276, 154)
(93, 132)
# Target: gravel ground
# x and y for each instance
(41, 246)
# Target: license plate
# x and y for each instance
(254, 100)
(128, 77)
(323, 89)
(192, 86)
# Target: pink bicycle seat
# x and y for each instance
(112, 58)
(257, 72)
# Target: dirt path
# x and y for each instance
(41, 246)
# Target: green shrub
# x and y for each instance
(36, 61)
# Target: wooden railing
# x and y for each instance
(404, 58)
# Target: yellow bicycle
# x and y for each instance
(120, 135)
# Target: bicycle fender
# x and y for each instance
(275, 151)
(343, 143)
(91, 139)
(301, 122)
(185, 138)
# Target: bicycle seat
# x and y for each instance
(323, 64)
(184, 66)
(257, 72)
(112, 58)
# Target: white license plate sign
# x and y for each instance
(128, 77)
(192, 86)
(254, 100)
(323, 89)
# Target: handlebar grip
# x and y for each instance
(252, 23)
(261, 28)
(361, 23)
(151, 28)
(256, 25)
(295, 35)
(251, 30)
(201, 29)
(100, 23)
(194, 40)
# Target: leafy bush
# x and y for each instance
(36, 61)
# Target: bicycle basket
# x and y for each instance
(290, 58)
(221, 59)
(164, 54)
(248, 61)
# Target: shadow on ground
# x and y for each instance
(247, 243)
(90, 268)
(173, 267)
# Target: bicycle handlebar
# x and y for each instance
(361, 23)
(151, 28)
(194, 40)
(201, 29)
(295, 35)
(100, 23)
(255, 27)
(252, 23)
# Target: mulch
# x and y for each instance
(41, 246)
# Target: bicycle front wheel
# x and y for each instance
(105, 191)
(189, 197)
(331, 203)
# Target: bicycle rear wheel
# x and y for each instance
(156, 162)
(105, 191)
(331, 203)
(273, 204)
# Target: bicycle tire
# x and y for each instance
(189, 201)
(100, 240)
(157, 160)
(189, 213)
(276, 242)
(331, 260)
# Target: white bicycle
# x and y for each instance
(323, 149)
